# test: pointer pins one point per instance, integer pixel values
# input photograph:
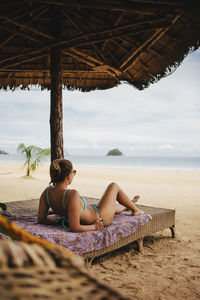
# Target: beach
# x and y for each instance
(167, 268)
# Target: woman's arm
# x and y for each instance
(74, 210)
(43, 211)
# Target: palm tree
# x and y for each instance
(33, 156)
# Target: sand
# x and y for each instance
(167, 268)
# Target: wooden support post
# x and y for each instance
(56, 112)
(173, 231)
(140, 244)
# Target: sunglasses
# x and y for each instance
(74, 171)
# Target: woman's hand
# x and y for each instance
(98, 225)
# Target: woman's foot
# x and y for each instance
(135, 199)
(120, 208)
(137, 212)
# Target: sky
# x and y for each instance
(162, 120)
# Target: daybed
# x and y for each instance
(113, 237)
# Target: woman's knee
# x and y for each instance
(107, 222)
(113, 185)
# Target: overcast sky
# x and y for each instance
(164, 119)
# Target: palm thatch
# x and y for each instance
(88, 45)
(102, 43)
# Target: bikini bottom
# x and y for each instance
(98, 210)
(95, 208)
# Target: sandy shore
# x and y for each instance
(168, 268)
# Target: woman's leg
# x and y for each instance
(107, 203)
(120, 208)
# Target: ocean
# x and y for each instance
(151, 162)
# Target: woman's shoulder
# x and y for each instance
(72, 191)
(44, 193)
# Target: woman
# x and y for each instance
(72, 209)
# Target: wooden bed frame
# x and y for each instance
(161, 219)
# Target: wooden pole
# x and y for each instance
(56, 112)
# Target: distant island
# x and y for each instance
(3, 152)
(114, 152)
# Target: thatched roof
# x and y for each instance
(103, 42)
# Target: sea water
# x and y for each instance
(144, 162)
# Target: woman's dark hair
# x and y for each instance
(59, 169)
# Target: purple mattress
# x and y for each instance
(82, 242)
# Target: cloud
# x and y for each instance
(162, 119)
(167, 146)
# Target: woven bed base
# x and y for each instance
(161, 219)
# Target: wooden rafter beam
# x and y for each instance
(115, 24)
(126, 29)
(6, 3)
(118, 44)
(84, 15)
(86, 61)
(113, 28)
(100, 53)
(86, 3)
(129, 59)
(96, 64)
(96, 38)
(80, 28)
(174, 38)
(158, 54)
(145, 46)
(127, 40)
(24, 61)
(112, 55)
(161, 2)
(163, 32)
(76, 14)
(22, 12)
(148, 64)
(152, 22)
(5, 41)
(19, 32)
(127, 6)
(71, 20)
(5, 70)
(77, 78)
(79, 52)
(16, 14)
(91, 61)
(27, 27)
(88, 38)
